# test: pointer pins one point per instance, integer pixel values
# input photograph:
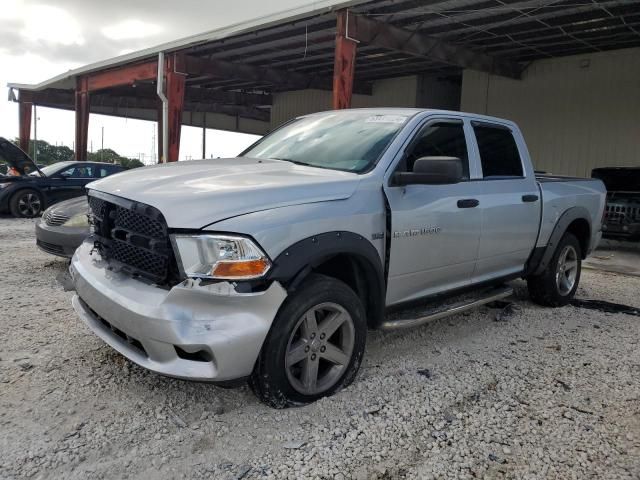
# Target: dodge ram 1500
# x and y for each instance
(272, 266)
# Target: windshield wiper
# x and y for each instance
(296, 162)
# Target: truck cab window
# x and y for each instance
(499, 154)
(443, 139)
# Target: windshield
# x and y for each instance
(50, 169)
(351, 141)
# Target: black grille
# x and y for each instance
(133, 236)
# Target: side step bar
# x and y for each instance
(448, 310)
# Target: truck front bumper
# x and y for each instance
(190, 331)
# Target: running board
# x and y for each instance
(448, 310)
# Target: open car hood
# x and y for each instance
(16, 158)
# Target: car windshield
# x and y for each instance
(349, 141)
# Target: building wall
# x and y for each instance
(395, 92)
(412, 91)
(576, 112)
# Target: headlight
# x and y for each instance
(221, 257)
(79, 220)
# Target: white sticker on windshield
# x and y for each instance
(386, 119)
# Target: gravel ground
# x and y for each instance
(536, 394)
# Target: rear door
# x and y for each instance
(509, 201)
(434, 237)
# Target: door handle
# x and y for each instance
(530, 198)
(468, 203)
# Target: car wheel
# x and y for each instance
(26, 204)
(557, 284)
(315, 345)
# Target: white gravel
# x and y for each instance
(542, 394)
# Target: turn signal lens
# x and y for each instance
(241, 269)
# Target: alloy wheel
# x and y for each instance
(567, 270)
(29, 205)
(320, 348)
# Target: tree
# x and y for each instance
(48, 154)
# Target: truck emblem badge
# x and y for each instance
(414, 232)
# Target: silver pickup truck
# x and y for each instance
(272, 266)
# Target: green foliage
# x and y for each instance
(48, 154)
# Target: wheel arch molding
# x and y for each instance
(574, 216)
(348, 256)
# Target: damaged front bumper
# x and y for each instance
(190, 331)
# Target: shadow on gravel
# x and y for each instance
(604, 306)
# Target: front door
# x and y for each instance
(435, 229)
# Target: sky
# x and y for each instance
(41, 39)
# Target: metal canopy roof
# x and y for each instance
(296, 49)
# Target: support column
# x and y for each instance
(175, 93)
(160, 133)
(344, 65)
(24, 119)
(82, 118)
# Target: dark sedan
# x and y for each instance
(30, 190)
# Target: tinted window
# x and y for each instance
(498, 152)
(440, 140)
(78, 172)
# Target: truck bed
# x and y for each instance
(560, 193)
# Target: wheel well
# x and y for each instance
(580, 228)
(358, 274)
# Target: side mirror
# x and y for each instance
(432, 171)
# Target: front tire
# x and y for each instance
(26, 203)
(315, 345)
(557, 284)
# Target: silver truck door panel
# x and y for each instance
(509, 226)
(433, 242)
(510, 200)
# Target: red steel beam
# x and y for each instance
(24, 119)
(82, 118)
(125, 75)
(175, 86)
(344, 65)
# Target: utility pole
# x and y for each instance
(35, 135)
(102, 144)
(204, 135)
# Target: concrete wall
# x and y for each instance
(576, 112)
(395, 92)
(412, 91)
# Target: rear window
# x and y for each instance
(499, 154)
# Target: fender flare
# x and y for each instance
(292, 266)
(537, 266)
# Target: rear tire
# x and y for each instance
(557, 284)
(26, 203)
(315, 345)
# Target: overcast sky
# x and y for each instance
(41, 39)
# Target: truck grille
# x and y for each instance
(133, 236)
(622, 214)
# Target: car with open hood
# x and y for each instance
(34, 189)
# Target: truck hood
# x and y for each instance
(195, 194)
